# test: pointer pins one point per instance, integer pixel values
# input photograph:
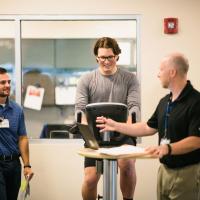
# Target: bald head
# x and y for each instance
(179, 62)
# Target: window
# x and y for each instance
(53, 53)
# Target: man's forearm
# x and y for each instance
(24, 149)
(138, 129)
(186, 145)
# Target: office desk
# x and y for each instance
(110, 169)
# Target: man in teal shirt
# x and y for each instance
(13, 142)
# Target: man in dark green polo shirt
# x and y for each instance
(177, 122)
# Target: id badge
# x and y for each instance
(4, 124)
(164, 141)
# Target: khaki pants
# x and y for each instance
(179, 184)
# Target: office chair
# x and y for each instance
(55, 131)
(60, 131)
(59, 134)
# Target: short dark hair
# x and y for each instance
(107, 42)
(3, 70)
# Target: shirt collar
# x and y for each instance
(7, 103)
(186, 90)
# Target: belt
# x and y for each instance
(9, 158)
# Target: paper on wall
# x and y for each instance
(34, 97)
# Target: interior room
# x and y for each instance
(49, 45)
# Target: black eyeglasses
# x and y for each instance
(3, 82)
(103, 58)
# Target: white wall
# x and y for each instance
(154, 45)
(58, 169)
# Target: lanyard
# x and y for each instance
(166, 117)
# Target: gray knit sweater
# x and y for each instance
(121, 87)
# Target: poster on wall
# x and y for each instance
(34, 97)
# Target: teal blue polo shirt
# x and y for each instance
(13, 114)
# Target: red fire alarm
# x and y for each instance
(170, 25)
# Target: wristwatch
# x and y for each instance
(25, 166)
(169, 149)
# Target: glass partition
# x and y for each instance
(47, 56)
(7, 50)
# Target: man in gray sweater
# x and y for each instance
(108, 83)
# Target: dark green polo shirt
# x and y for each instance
(183, 121)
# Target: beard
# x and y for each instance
(5, 94)
(165, 84)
